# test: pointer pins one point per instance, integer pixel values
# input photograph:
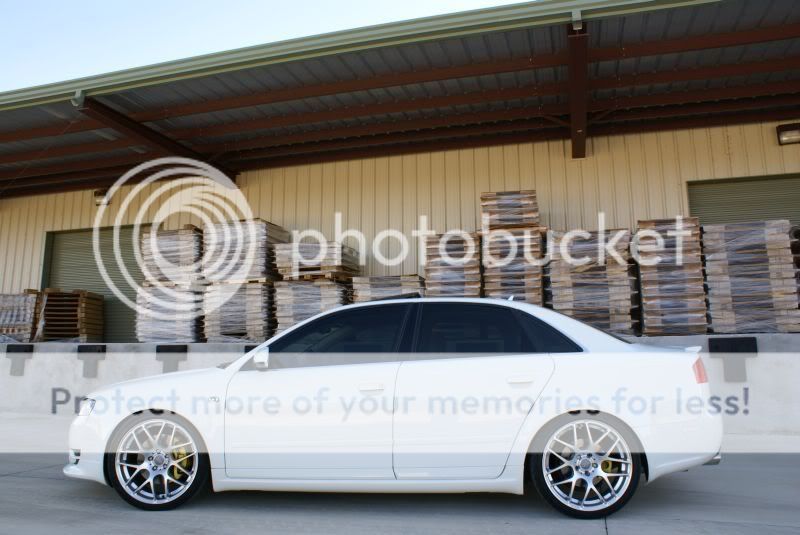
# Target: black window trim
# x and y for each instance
(529, 318)
(410, 329)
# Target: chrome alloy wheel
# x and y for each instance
(587, 465)
(156, 461)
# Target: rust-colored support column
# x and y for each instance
(578, 44)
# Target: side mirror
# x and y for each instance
(261, 360)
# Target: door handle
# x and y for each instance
(371, 387)
(519, 380)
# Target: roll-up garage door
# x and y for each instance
(72, 266)
(752, 199)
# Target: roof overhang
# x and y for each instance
(547, 70)
(528, 14)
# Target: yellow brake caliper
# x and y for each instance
(184, 462)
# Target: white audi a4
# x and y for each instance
(410, 395)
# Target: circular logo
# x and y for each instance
(161, 205)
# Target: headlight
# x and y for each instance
(87, 405)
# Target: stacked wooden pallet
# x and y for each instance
(373, 288)
(172, 255)
(169, 304)
(601, 290)
(795, 235)
(310, 261)
(241, 251)
(512, 246)
(751, 277)
(18, 316)
(512, 266)
(75, 316)
(453, 266)
(299, 300)
(671, 278)
(239, 312)
(169, 312)
(509, 209)
(240, 265)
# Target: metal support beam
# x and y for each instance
(621, 51)
(411, 136)
(126, 126)
(768, 103)
(701, 95)
(578, 44)
(270, 140)
(78, 181)
(700, 42)
(381, 108)
(248, 147)
(409, 148)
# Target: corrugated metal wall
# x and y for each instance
(737, 200)
(628, 177)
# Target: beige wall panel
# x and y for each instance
(621, 179)
(410, 214)
(629, 177)
(468, 201)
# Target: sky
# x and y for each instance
(44, 41)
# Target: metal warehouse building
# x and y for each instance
(640, 109)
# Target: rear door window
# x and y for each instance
(470, 328)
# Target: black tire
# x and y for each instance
(197, 483)
(538, 476)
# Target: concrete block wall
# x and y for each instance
(54, 375)
(759, 393)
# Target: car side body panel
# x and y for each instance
(648, 389)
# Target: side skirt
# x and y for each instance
(509, 482)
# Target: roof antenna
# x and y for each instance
(510, 297)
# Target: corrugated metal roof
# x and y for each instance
(386, 37)
(536, 40)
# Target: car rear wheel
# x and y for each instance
(586, 466)
(155, 462)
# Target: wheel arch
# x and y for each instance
(615, 419)
(155, 412)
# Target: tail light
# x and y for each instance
(699, 371)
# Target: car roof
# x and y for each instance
(456, 300)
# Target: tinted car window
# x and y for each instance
(374, 329)
(470, 328)
(545, 338)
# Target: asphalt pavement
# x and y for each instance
(744, 494)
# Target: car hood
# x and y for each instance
(184, 383)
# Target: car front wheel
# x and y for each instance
(155, 462)
(586, 466)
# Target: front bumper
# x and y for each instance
(715, 460)
(86, 451)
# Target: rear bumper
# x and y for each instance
(677, 446)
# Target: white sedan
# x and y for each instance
(410, 395)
